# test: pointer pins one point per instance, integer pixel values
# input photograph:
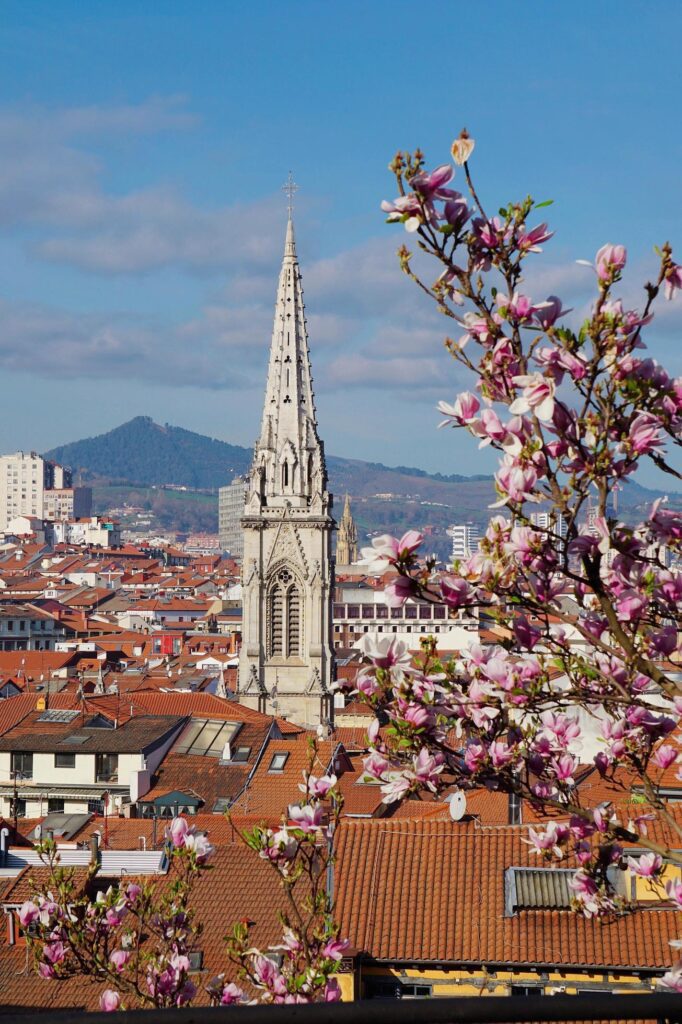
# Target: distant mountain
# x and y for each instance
(142, 454)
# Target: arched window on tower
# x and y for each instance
(293, 622)
(286, 620)
(310, 474)
(285, 474)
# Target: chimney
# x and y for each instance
(94, 849)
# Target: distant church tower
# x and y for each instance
(347, 539)
(286, 659)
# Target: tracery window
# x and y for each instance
(286, 619)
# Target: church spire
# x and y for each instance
(289, 460)
(286, 661)
(347, 541)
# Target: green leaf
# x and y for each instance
(547, 202)
(502, 211)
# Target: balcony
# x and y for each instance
(659, 1006)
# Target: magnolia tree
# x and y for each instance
(136, 938)
(589, 612)
(589, 606)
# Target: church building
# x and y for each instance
(286, 659)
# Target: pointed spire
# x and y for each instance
(290, 241)
(289, 457)
(347, 542)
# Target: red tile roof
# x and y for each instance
(434, 891)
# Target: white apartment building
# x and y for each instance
(65, 761)
(93, 531)
(67, 502)
(24, 478)
(230, 511)
(549, 521)
(33, 486)
(359, 608)
(465, 537)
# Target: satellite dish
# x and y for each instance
(38, 831)
(458, 805)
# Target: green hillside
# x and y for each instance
(131, 463)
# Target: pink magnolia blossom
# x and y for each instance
(375, 765)
(431, 184)
(463, 411)
(673, 280)
(404, 208)
(109, 1001)
(537, 396)
(386, 651)
(672, 979)
(387, 550)
(278, 846)
(673, 890)
(231, 995)
(28, 913)
(332, 991)
(398, 590)
(178, 830)
(644, 434)
(198, 844)
(516, 483)
(318, 788)
(517, 308)
(456, 591)
(397, 786)
(427, 768)
(306, 817)
(529, 241)
(549, 841)
(119, 959)
(647, 866)
(335, 948)
(610, 260)
(664, 756)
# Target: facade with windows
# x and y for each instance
(33, 486)
(286, 658)
(230, 511)
(465, 537)
(62, 760)
(359, 609)
(27, 628)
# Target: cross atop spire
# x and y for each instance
(291, 188)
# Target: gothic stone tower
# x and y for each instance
(347, 539)
(286, 657)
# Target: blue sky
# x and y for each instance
(142, 150)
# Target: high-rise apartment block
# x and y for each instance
(549, 521)
(465, 538)
(63, 503)
(33, 486)
(230, 511)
